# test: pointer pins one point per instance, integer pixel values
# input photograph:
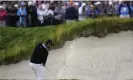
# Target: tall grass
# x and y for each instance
(16, 44)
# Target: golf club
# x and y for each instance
(51, 72)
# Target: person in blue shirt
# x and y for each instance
(22, 13)
(124, 10)
(97, 11)
(131, 6)
(88, 9)
(116, 6)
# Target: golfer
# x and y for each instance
(39, 58)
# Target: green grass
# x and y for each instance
(16, 44)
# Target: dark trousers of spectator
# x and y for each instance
(109, 15)
(34, 22)
(22, 24)
(11, 20)
(48, 21)
(2, 23)
(92, 16)
(131, 15)
(40, 23)
(57, 21)
(89, 15)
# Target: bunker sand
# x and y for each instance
(108, 58)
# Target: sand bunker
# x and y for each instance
(109, 58)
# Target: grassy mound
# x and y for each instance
(16, 44)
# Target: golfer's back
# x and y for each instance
(39, 55)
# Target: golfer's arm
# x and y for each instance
(45, 59)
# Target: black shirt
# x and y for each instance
(39, 55)
(72, 13)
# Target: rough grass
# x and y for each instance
(16, 44)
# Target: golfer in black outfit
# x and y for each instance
(39, 58)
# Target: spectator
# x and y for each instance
(50, 11)
(116, 6)
(22, 15)
(9, 17)
(124, 10)
(93, 12)
(3, 14)
(58, 10)
(101, 7)
(32, 14)
(5, 5)
(49, 16)
(45, 5)
(13, 16)
(59, 14)
(72, 13)
(97, 10)
(76, 5)
(80, 3)
(110, 10)
(88, 9)
(41, 14)
(81, 11)
(131, 6)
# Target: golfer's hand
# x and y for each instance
(44, 65)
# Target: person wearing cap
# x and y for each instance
(3, 14)
(88, 9)
(101, 8)
(32, 14)
(12, 15)
(40, 15)
(39, 58)
(131, 6)
(22, 13)
(110, 10)
(81, 11)
(59, 14)
(72, 13)
(125, 10)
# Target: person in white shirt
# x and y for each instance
(49, 12)
(41, 14)
(81, 11)
(45, 5)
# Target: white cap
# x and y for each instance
(110, 3)
(83, 4)
(76, 3)
(30, 3)
(2, 7)
(97, 3)
(16, 5)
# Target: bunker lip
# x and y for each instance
(108, 58)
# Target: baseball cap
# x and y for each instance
(22, 3)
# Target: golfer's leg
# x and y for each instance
(34, 68)
(35, 73)
(40, 72)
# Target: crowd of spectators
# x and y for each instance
(42, 13)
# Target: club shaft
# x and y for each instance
(51, 72)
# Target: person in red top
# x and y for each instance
(3, 14)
